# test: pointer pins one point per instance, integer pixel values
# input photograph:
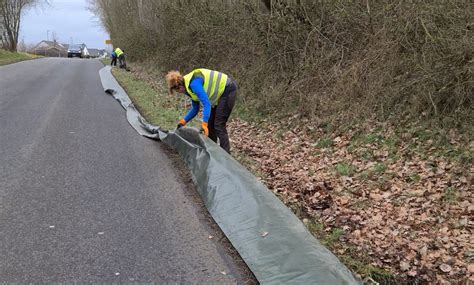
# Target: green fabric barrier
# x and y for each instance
(244, 208)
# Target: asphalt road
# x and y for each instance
(84, 198)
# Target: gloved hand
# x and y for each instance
(181, 123)
(204, 129)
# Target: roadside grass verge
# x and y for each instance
(355, 259)
(368, 169)
(7, 57)
(153, 101)
(159, 108)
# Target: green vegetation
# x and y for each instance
(393, 78)
(415, 178)
(105, 61)
(7, 57)
(356, 260)
(365, 269)
(345, 169)
(338, 66)
(380, 168)
(325, 143)
(334, 63)
(147, 90)
(153, 103)
(451, 195)
(364, 175)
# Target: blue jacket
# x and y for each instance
(197, 86)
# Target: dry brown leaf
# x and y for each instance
(445, 268)
(423, 251)
(404, 266)
(402, 212)
(470, 267)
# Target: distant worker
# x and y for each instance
(121, 57)
(215, 91)
(114, 59)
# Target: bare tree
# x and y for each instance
(10, 13)
(22, 45)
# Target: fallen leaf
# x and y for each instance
(423, 251)
(343, 200)
(415, 207)
(445, 268)
(470, 267)
(404, 266)
(375, 196)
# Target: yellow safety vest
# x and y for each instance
(214, 84)
(118, 52)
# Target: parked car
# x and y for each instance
(74, 51)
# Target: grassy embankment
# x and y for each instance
(355, 114)
(152, 100)
(375, 159)
(7, 57)
(161, 109)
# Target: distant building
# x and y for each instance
(85, 51)
(103, 53)
(97, 53)
(94, 53)
(49, 48)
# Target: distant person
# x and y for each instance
(114, 59)
(121, 57)
(215, 91)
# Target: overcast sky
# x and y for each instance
(69, 19)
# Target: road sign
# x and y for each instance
(108, 42)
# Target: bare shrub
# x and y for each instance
(324, 60)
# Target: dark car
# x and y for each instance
(74, 51)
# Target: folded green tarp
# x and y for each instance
(271, 240)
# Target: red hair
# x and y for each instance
(174, 79)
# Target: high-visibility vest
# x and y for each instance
(214, 84)
(118, 51)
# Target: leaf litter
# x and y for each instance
(409, 211)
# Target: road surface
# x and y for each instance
(84, 198)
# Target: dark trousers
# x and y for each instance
(122, 62)
(220, 115)
(114, 61)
